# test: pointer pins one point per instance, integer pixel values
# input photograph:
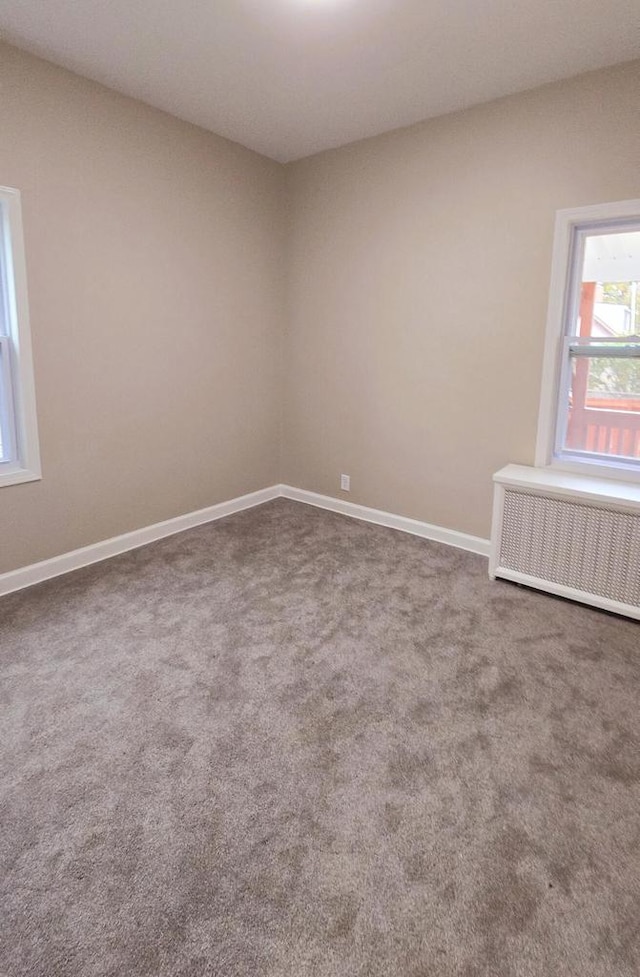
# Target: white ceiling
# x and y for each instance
(291, 77)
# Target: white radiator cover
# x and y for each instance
(569, 535)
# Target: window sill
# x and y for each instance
(598, 468)
(564, 483)
(15, 475)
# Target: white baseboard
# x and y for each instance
(475, 544)
(57, 565)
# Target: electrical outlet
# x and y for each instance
(345, 483)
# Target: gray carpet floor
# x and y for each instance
(289, 743)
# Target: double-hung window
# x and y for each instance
(19, 454)
(590, 407)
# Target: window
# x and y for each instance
(19, 454)
(590, 405)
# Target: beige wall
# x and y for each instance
(418, 271)
(155, 273)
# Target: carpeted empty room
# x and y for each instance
(294, 743)
(319, 488)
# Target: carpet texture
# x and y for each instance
(289, 744)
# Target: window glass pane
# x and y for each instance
(4, 408)
(608, 305)
(19, 455)
(604, 406)
(5, 418)
(4, 298)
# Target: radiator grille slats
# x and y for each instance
(586, 547)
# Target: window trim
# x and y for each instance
(573, 225)
(26, 465)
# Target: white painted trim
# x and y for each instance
(27, 468)
(548, 481)
(74, 560)
(451, 537)
(603, 603)
(563, 296)
(496, 527)
(46, 569)
(558, 289)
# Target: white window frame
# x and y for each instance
(18, 413)
(571, 227)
